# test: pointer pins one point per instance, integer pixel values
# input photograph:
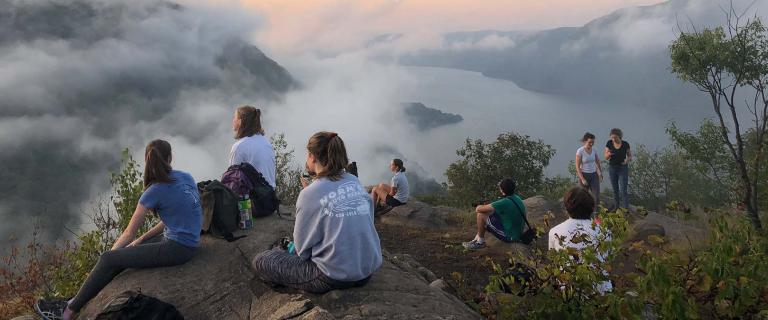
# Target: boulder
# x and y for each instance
(645, 229)
(676, 232)
(220, 284)
(538, 208)
(416, 214)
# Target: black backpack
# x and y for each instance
(220, 204)
(262, 194)
(134, 305)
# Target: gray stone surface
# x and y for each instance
(219, 284)
(416, 214)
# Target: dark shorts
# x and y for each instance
(494, 226)
(392, 202)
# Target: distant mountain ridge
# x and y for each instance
(620, 57)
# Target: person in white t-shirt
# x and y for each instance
(588, 167)
(579, 231)
(387, 196)
(251, 145)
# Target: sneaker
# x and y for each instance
(473, 245)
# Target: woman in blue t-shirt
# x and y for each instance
(173, 196)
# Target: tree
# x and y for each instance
(729, 63)
(287, 177)
(481, 166)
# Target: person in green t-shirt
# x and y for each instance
(502, 218)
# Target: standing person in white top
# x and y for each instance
(394, 194)
(579, 231)
(588, 167)
(251, 145)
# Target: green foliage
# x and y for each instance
(481, 166)
(725, 280)
(658, 177)
(287, 178)
(697, 169)
(564, 282)
(728, 63)
(553, 188)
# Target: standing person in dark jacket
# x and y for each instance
(619, 154)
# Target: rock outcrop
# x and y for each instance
(416, 214)
(219, 284)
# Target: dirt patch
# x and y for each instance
(441, 252)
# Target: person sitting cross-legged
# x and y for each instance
(336, 245)
(502, 218)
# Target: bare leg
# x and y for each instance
(481, 220)
(382, 190)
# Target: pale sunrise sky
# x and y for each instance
(337, 25)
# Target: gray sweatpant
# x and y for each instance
(282, 268)
(159, 252)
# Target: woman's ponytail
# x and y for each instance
(329, 150)
(157, 166)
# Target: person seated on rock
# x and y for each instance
(387, 196)
(502, 218)
(172, 196)
(335, 242)
(579, 231)
(252, 146)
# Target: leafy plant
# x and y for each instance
(725, 280)
(482, 165)
(565, 284)
(288, 183)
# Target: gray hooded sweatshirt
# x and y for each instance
(334, 227)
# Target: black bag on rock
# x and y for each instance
(134, 305)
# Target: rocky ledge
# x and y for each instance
(219, 284)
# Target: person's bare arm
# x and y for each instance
(599, 168)
(629, 156)
(129, 234)
(485, 209)
(393, 191)
(156, 230)
(607, 153)
(578, 170)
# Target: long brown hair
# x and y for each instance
(157, 168)
(329, 150)
(250, 122)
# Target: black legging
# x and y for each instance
(162, 253)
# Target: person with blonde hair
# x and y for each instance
(252, 146)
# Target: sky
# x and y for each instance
(341, 25)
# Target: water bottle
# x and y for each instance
(244, 205)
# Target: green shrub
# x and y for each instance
(725, 280)
(562, 288)
(481, 166)
(287, 179)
